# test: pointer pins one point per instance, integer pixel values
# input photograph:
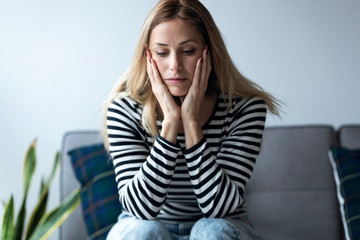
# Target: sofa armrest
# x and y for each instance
(349, 136)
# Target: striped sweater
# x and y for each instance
(157, 179)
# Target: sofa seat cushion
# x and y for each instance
(283, 207)
(99, 197)
(346, 165)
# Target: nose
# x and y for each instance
(175, 63)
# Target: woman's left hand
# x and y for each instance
(191, 103)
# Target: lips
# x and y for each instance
(176, 79)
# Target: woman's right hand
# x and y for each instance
(170, 109)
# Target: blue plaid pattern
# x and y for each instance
(346, 164)
(99, 197)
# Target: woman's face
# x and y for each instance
(176, 47)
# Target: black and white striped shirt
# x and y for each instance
(160, 180)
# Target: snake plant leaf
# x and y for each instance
(42, 186)
(55, 167)
(29, 166)
(29, 169)
(38, 213)
(19, 226)
(56, 217)
(40, 207)
(8, 221)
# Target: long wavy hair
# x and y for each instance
(224, 78)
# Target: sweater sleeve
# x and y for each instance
(142, 177)
(219, 179)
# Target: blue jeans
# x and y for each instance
(132, 228)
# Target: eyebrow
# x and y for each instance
(182, 43)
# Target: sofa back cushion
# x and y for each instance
(292, 193)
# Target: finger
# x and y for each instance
(156, 74)
(159, 88)
(152, 71)
(148, 65)
(208, 63)
(206, 67)
(148, 52)
(197, 74)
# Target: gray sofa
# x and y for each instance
(291, 196)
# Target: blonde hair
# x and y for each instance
(224, 78)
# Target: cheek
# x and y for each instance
(191, 65)
(161, 65)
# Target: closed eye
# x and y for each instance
(161, 54)
(189, 52)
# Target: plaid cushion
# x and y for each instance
(346, 164)
(99, 197)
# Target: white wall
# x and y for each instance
(59, 59)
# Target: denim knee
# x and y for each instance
(225, 229)
(131, 228)
(151, 230)
(213, 229)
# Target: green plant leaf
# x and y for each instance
(29, 169)
(40, 208)
(55, 167)
(42, 186)
(38, 213)
(8, 221)
(19, 226)
(29, 166)
(56, 217)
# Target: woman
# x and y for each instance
(184, 128)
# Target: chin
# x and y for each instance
(178, 92)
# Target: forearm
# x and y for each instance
(193, 133)
(143, 174)
(170, 129)
(219, 177)
(143, 191)
(216, 193)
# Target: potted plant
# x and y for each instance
(41, 223)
